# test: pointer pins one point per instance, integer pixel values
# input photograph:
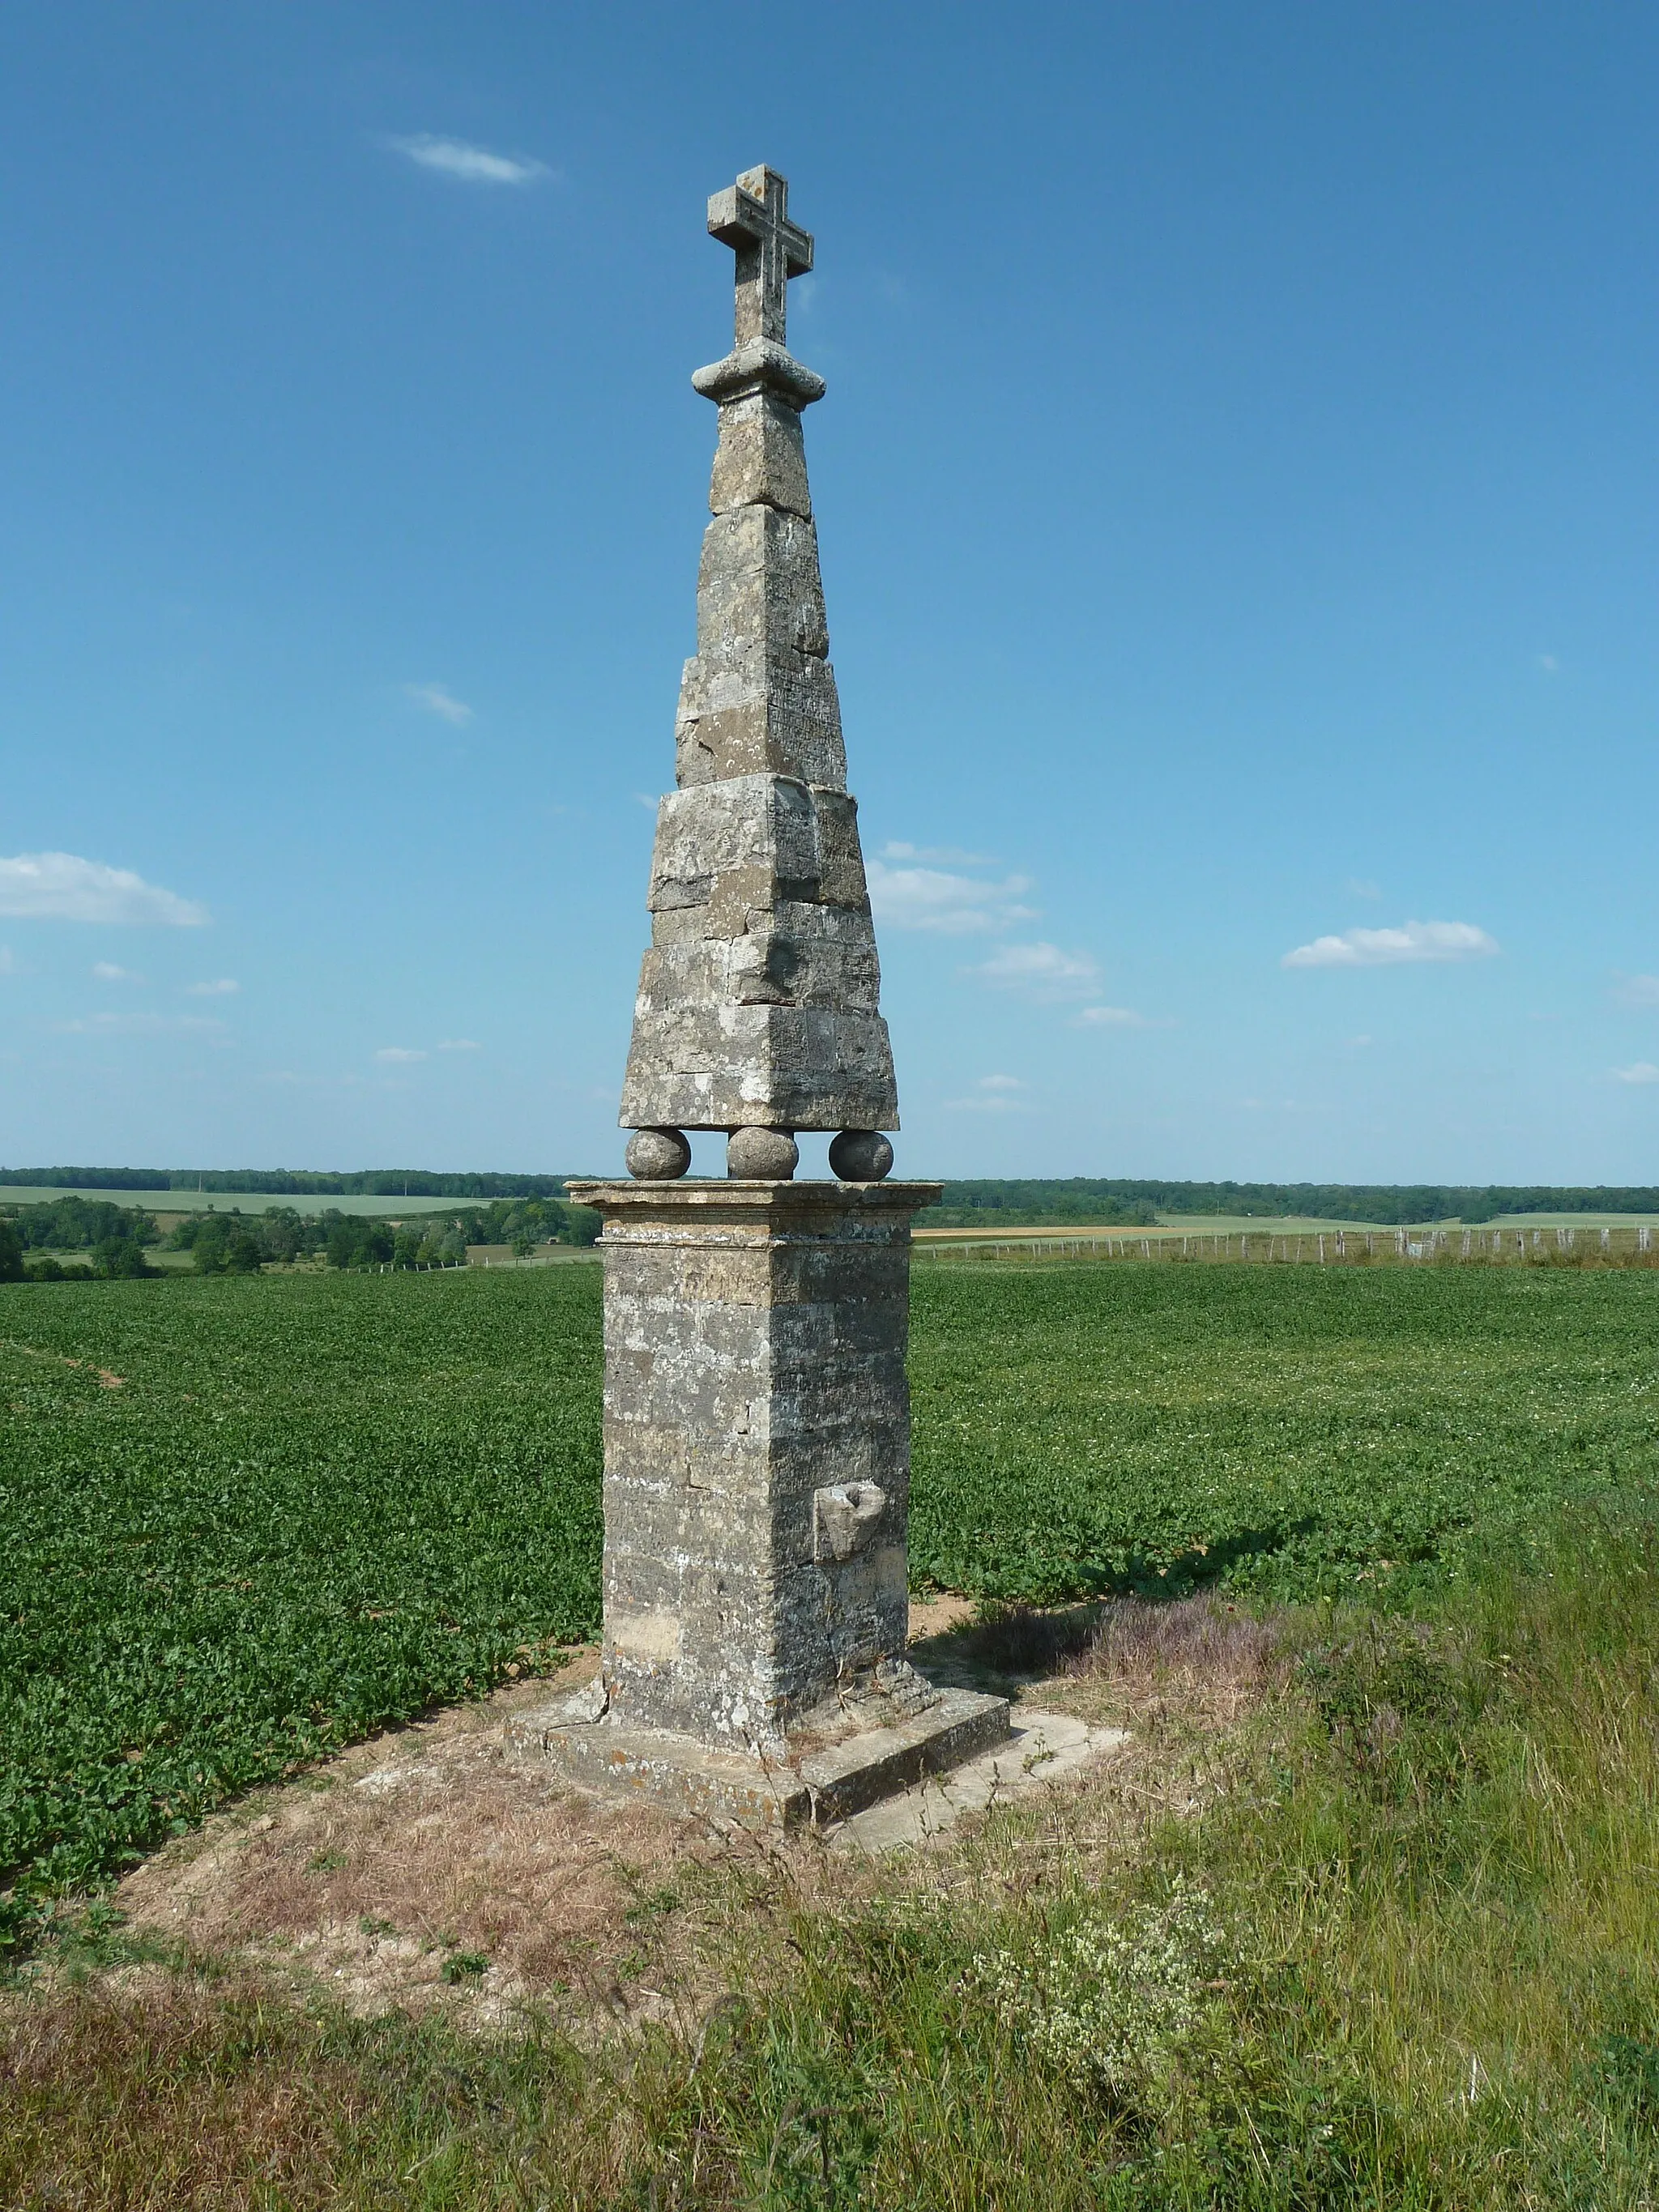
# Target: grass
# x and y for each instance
(263, 1517)
(1396, 1950)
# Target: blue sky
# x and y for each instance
(1236, 498)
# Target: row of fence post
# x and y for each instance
(1340, 1243)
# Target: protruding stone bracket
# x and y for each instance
(845, 1516)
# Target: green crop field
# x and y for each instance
(313, 1504)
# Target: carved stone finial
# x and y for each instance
(658, 1155)
(752, 218)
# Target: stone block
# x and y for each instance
(756, 1428)
(820, 1787)
(760, 457)
(777, 710)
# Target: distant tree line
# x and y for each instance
(115, 1238)
(1016, 1202)
(366, 1182)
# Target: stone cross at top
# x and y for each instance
(752, 218)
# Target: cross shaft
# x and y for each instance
(752, 218)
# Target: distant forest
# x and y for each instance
(1117, 1202)
(116, 1239)
(1124, 1203)
(366, 1182)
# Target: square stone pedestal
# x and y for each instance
(757, 1495)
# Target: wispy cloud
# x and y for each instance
(1549, 664)
(8, 965)
(437, 699)
(468, 165)
(1120, 1018)
(459, 1044)
(992, 1094)
(1637, 990)
(105, 971)
(396, 1054)
(1040, 971)
(946, 856)
(1643, 1071)
(644, 798)
(62, 887)
(138, 1025)
(951, 905)
(1362, 887)
(1387, 948)
(222, 987)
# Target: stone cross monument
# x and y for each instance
(756, 1416)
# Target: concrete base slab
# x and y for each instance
(1041, 1747)
(821, 1787)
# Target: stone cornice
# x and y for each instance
(726, 1200)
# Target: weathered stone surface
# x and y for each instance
(658, 1155)
(820, 1788)
(757, 1423)
(861, 1155)
(752, 218)
(759, 999)
(772, 709)
(766, 1155)
(760, 459)
(755, 1338)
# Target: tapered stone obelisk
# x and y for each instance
(756, 1416)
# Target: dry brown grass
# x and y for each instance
(1212, 1657)
(203, 2099)
(389, 1873)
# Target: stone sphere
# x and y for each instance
(761, 1155)
(861, 1155)
(658, 1155)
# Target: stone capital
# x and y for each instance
(760, 365)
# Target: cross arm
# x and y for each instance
(737, 219)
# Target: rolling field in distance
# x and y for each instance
(310, 1506)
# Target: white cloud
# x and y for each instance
(992, 1094)
(105, 971)
(8, 962)
(222, 986)
(396, 1054)
(1643, 1071)
(1119, 1018)
(459, 1044)
(644, 798)
(1385, 948)
(1638, 990)
(953, 906)
(469, 165)
(1040, 971)
(1362, 887)
(437, 699)
(61, 887)
(1549, 664)
(138, 1025)
(943, 855)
